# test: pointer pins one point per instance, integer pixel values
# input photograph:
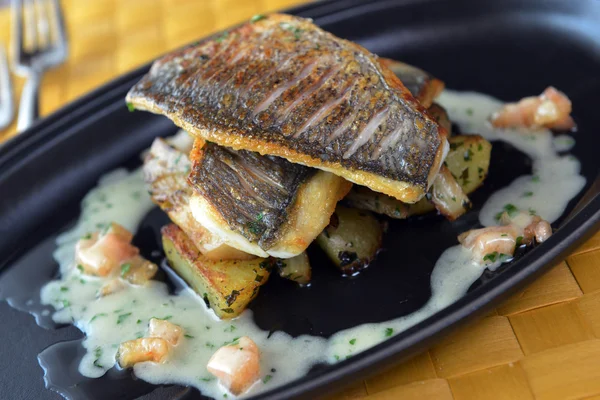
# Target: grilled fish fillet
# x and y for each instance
(165, 172)
(282, 86)
(262, 205)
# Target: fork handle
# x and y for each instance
(28, 106)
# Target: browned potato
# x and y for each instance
(296, 269)
(227, 286)
(352, 239)
(468, 161)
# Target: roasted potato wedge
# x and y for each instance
(296, 269)
(227, 286)
(363, 198)
(468, 161)
(352, 239)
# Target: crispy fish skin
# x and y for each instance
(263, 205)
(165, 172)
(253, 193)
(282, 86)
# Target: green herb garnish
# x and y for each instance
(519, 241)
(352, 341)
(122, 318)
(97, 316)
(389, 332)
(491, 257)
(257, 18)
(125, 268)
(468, 155)
(130, 107)
(267, 378)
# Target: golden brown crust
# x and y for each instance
(284, 87)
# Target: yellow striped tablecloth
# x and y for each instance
(543, 343)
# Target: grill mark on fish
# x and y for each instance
(277, 97)
(274, 95)
(367, 132)
(304, 95)
(254, 194)
(392, 139)
(322, 112)
(347, 122)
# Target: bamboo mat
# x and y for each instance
(543, 343)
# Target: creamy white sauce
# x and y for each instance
(122, 316)
(555, 180)
(107, 321)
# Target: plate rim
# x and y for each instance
(393, 351)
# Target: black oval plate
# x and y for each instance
(507, 49)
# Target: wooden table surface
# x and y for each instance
(543, 343)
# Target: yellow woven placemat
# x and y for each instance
(543, 343)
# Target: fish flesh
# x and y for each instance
(262, 205)
(282, 86)
(423, 86)
(165, 172)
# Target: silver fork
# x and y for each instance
(7, 106)
(39, 43)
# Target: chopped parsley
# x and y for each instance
(257, 18)
(510, 209)
(491, 257)
(122, 318)
(519, 241)
(64, 289)
(97, 354)
(527, 194)
(80, 268)
(87, 236)
(389, 332)
(289, 27)
(188, 336)
(227, 310)
(125, 268)
(97, 316)
(352, 341)
(469, 111)
(130, 107)
(532, 212)
(454, 146)
(206, 379)
(231, 328)
(66, 303)
(468, 156)
(535, 178)
(267, 378)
